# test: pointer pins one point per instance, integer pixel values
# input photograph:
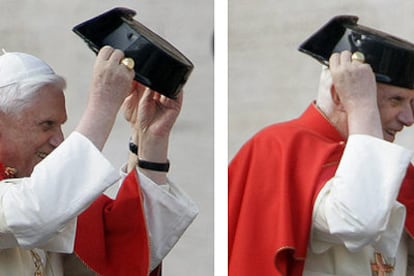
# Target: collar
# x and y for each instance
(314, 119)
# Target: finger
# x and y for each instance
(130, 97)
(345, 57)
(164, 100)
(147, 94)
(180, 97)
(172, 103)
(136, 95)
(140, 87)
(116, 57)
(127, 106)
(157, 96)
(139, 90)
(334, 60)
(133, 88)
(105, 52)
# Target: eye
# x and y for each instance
(46, 125)
(396, 100)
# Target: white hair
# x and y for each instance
(15, 96)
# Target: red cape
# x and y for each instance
(111, 235)
(273, 183)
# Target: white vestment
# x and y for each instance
(38, 214)
(357, 213)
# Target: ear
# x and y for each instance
(336, 99)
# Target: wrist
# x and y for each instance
(154, 166)
(154, 150)
(368, 123)
(150, 164)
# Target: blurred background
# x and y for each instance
(269, 80)
(44, 28)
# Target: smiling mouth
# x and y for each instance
(41, 154)
(391, 132)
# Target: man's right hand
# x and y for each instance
(355, 85)
(353, 80)
(112, 81)
(111, 84)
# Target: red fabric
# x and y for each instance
(273, 183)
(111, 236)
(406, 197)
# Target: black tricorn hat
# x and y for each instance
(158, 64)
(391, 58)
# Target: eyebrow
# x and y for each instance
(53, 121)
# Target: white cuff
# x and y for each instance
(169, 214)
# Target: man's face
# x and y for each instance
(396, 109)
(26, 140)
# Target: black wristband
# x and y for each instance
(133, 147)
(153, 166)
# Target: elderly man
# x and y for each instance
(318, 195)
(51, 198)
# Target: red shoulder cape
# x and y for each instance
(273, 183)
(111, 235)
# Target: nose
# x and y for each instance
(57, 138)
(406, 116)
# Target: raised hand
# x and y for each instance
(152, 117)
(355, 88)
(353, 80)
(110, 84)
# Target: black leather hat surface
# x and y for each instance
(391, 58)
(158, 64)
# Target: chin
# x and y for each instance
(24, 173)
(389, 138)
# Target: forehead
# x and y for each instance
(48, 93)
(47, 103)
(391, 90)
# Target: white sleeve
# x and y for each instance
(358, 205)
(34, 210)
(168, 212)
